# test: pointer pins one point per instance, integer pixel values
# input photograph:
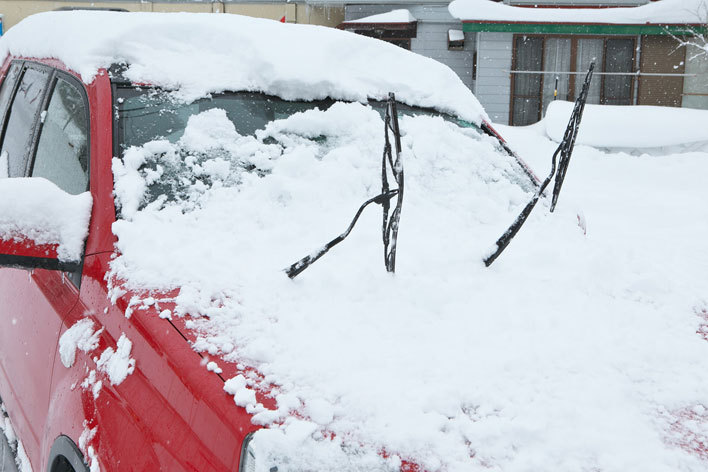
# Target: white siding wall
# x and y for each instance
(434, 21)
(493, 87)
(431, 41)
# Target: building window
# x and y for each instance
(695, 91)
(546, 68)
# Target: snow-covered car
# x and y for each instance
(151, 178)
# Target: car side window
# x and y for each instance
(17, 142)
(6, 89)
(62, 152)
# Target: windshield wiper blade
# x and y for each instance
(565, 150)
(390, 224)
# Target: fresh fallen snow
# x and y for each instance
(117, 364)
(572, 352)
(80, 336)
(20, 459)
(609, 126)
(455, 35)
(393, 16)
(662, 13)
(36, 209)
(240, 53)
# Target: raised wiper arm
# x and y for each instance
(565, 150)
(390, 224)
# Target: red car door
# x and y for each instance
(33, 303)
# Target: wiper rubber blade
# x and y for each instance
(390, 224)
(565, 150)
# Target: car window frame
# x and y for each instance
(77, 84)
(38, 124)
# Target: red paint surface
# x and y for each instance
(27, 248)
(171, 414)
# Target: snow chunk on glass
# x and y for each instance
(36, 209)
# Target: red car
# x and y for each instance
(87, 380)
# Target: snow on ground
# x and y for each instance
(572, 352)
(17, 449)
(232, 52)
(37, 209)
(662, 13)
(637, 127)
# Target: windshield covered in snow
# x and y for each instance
(185, 148)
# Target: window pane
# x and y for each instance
(5, 94)
(6, 89)
(557, 60)
(589, 51)
(618, 58)
(527, 87)
(18, 137)
(695, 89)
(62, 153)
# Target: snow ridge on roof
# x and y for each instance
(663, 12)
(393, 16)
(201, 53)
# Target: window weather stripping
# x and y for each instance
(565, 149)
(390, 224)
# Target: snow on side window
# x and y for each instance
(36, 209)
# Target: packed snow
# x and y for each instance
(81, 336)
(291, 61)
(17, 449)
(36, 209)
(393, 16)
(117, 364)
(663, 13)
(573, 351)
(635, 127)
(455, 35)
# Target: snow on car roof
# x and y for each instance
(200, 53)
(663, 12)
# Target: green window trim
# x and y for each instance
(574, 28)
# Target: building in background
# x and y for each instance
(515, 55)
(526, 54)
(519, 55)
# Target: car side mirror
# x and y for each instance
(42, 226)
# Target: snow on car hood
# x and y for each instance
(565, 355)
(204, 53)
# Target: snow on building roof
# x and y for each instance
(455, 35)
(394, 16)
(203, 53)
(662, 12)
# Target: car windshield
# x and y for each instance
(146, 114)
(180, 149)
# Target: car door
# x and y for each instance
(45, 135)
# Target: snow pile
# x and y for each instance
(609, 126)
(118, 364)
(17, 449)
(665, 12)
(230, 52)
(571, 352)
(80, 336)
(36, 209)
(393, 16)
